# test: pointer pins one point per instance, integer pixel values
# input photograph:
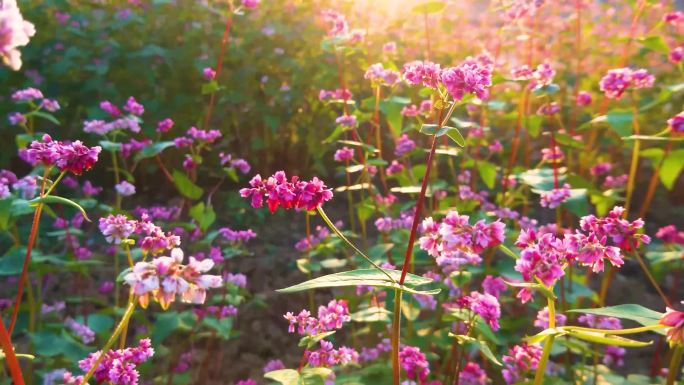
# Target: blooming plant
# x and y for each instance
(373, 192)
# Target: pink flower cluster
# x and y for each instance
(330, 317)
(130, 122)
(338, 94)
(472, 374)
(231, 235)
(455, 237)
(618, 80)
(466, 78)
(379, 75)
(414, 363)
(326, 355)
(337, 23)
(281, 192)
(152, 239)
(218, 312)
(15, 32)
(676, 123)
(119, 367)
(542, 320)
(74, 157)
(674, 320)
(309, 243)
(165, 278)
(86, 334)
(670, 236)
(485, 305)
(553, 198)
(403, 145)
(344, 154)
(520, 359)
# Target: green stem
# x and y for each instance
(117, 178)
(676, 360)
(122, 325)
(339, 234)
(541, 367)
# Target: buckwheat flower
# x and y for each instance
(236, 236)
(130, 123)
(106, 287)
(50, 105)
(410, 110)
(377, 74)
(17, 118)
(617, 181)
(250, 4)
(241, 165)
(614, 356)
(346, 120)
(424, 73)
(549, 109)
(670, 236)
(552, 155)
(89, 189)
(238, 279)
(99, 127)
(676, 123)
(426, 107)
(26, 187)
(542, 76)
(621, 231)
(132, 106)
(641, 78)
(542, 320)
(523, 72)
(555, 197)
(164, 125)
(404, 145)
(56, 307)
(673, 17)
(415, 364)
(394, 168)
(485, 305)
(495, 146)
(494, 286)
(333, 315)
(389, 48)
(583, 98)
(125, 189)
(601, 168)
(248, 381)
(676, 55)
(674, 321)
(110, 108)
(273, 365)
(344, 154)
(47, 151)
(77, 157)
(119, 367)
(467, 78)
(86, 334)
(472, 374)
(279, 192)
(338, 23)
(616, 82)
(116, 227)
(208, 73)
(521, 359)
(70, 379)
(27, 95)
(15, 32)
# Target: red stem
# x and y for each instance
(419, 208)
(8, 350)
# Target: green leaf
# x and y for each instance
(372, 314)
(392, 109)
(310, 341)
(364, 277)
(655, 43)
(606, 339)
(12, 262)
(152, 150)
(210, 87)
(110, 146)
(671, 168)
(429, 7)
(5, 211)
(185, 186)
(487, 172)
(47, 116)
(59, 200)
(620, 121)
(479, 344)
(533, 125)
(429, 129)
(456, 136)
(633, 312)
(205, 216)
(309, 376)
(284, 376)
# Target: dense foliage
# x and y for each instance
(461, 192)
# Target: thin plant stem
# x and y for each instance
(350, 200)
(310, 294)
(541, 367)
(29, 248)
(378, 137)
(124, 333)
(117, 178)
(10, 356)
(653, 183)
(219, 64)
(675, 361)
(108, 345)
(649, 275)
(635, 160)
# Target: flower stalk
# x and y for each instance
(543, 361)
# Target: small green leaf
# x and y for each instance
(59, 200)
(210, 87)
(655, 43)
(620, 121)
(310, 341)
(5, 212)
(205, 216)
(185, 186)
(487, 172)
(455, 135)
(364, 277)
(429, 129)
(284, 376)
(47, 116)
(606, 339)
(671, 168)
(110, 146)
(152, 150)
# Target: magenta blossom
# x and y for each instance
(467, 78)
(279, 192)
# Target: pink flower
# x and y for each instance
(583, 98)
(494, 286)
(485, 305)
(520, 359)
(467, 78)
(377, 74)
(542, 320)
(415, 364)
(472, 374)
(424, 73)
(279, 192)
(394, 168)
(676, 123)
(125, 189)
(164, 125)
(344, 154)
(674, 320)
(132, 106)
(116, 227)
(669, 235)
(404, 145)
(208, 73)
(555, 197)
(250, 4)
(15, 32)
